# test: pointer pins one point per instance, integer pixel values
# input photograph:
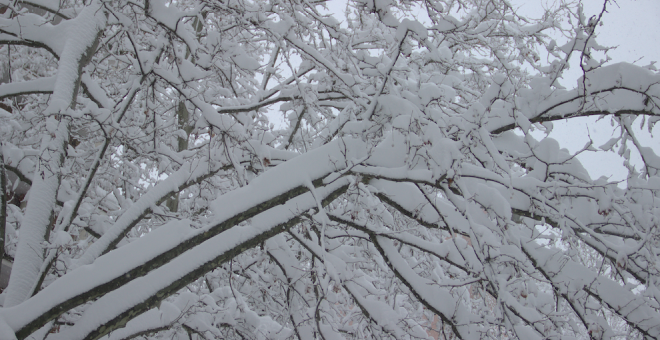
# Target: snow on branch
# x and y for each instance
(276, 170)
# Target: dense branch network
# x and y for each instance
(266, 170)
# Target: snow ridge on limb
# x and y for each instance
(146, 292)
(614, 89)
(189, 173)
(76, 53)
(40, 85)
(38, 218)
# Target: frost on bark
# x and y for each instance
(270, 170)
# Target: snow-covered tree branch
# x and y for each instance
(206, 169)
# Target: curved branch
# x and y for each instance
(43, 6)
(552, 118)
(39, 85)
(28, 43)
(19, 174)
(197, 261)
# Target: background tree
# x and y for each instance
(404, 196)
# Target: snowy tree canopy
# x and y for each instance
(252, 169)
